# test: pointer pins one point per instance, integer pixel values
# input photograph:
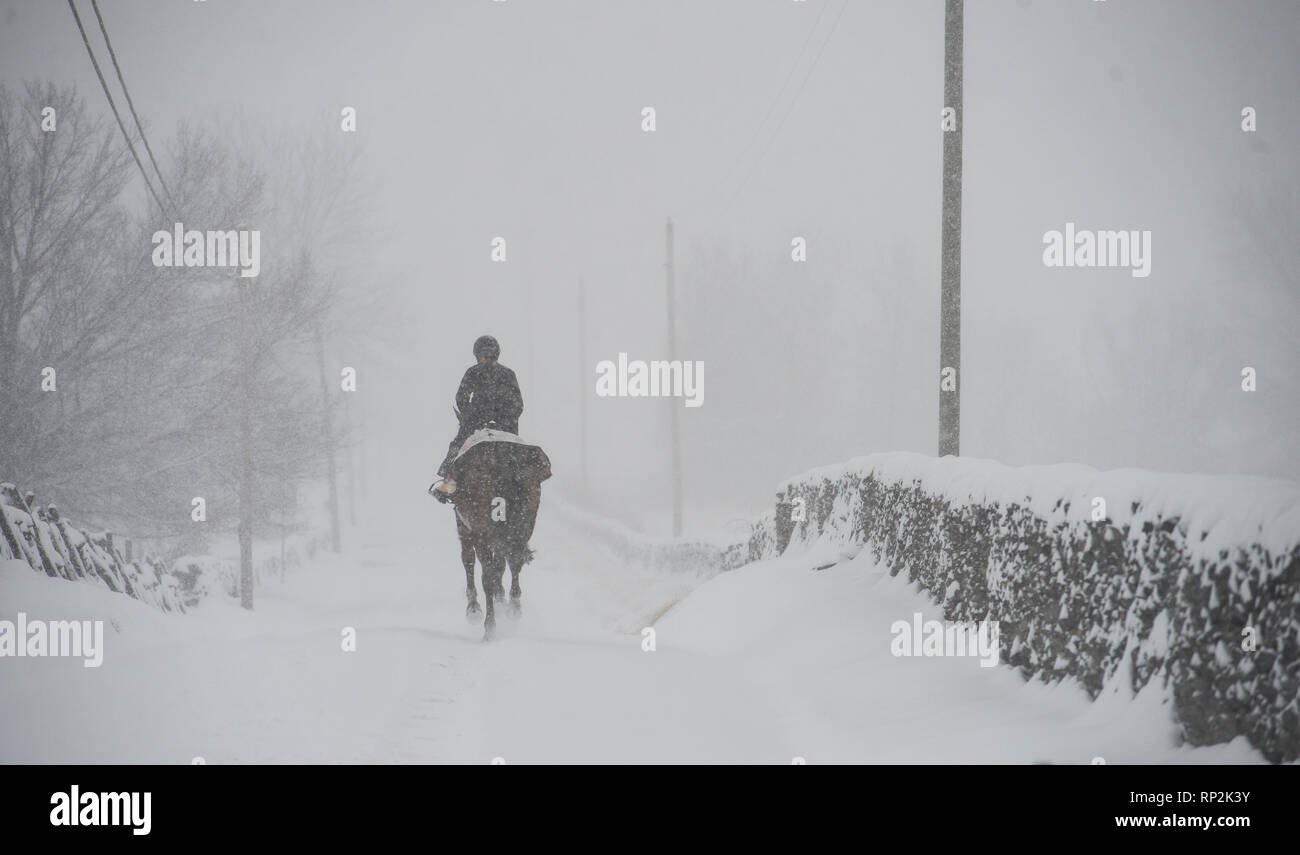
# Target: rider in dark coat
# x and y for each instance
(488, 393)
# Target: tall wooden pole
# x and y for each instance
(245, 450)
(950, 377)
(327, 423)
(351, 435)
(584, 377)
(674, 403)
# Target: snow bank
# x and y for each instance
(698, 556)
(1190, 581)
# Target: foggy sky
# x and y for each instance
(522, 119)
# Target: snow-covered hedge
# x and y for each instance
(1125, 576)
(52, 545)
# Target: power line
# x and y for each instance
(104, 85)
(793, 103)
(130, 104)
(739, 160)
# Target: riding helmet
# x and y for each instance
(486, 345)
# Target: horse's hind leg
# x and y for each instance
(520, 532)
(516, 568)
(490, 619)
(519, 556)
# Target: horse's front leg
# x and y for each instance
(472, 610)
(491, 592)
(520, 553)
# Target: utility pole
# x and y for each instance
(950, 265)
(583, 378)
(350, 434)
(245, 449)
(673, 402)
(356, 451)
(530, 356)
(327, 421)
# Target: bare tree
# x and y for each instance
(172, 382)
(58, 214)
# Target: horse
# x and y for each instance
(498, 493)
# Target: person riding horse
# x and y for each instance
(500, 482)
(488, 396)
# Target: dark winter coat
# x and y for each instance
(489, 392)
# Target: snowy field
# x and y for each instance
(761, 665)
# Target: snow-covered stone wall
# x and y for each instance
(56, 547)
(1127, 576)
(50, 544)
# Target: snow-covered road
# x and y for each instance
(761, 665)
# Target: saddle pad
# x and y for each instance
(488, 435)
(524, 457)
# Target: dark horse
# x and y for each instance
(499, 489)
